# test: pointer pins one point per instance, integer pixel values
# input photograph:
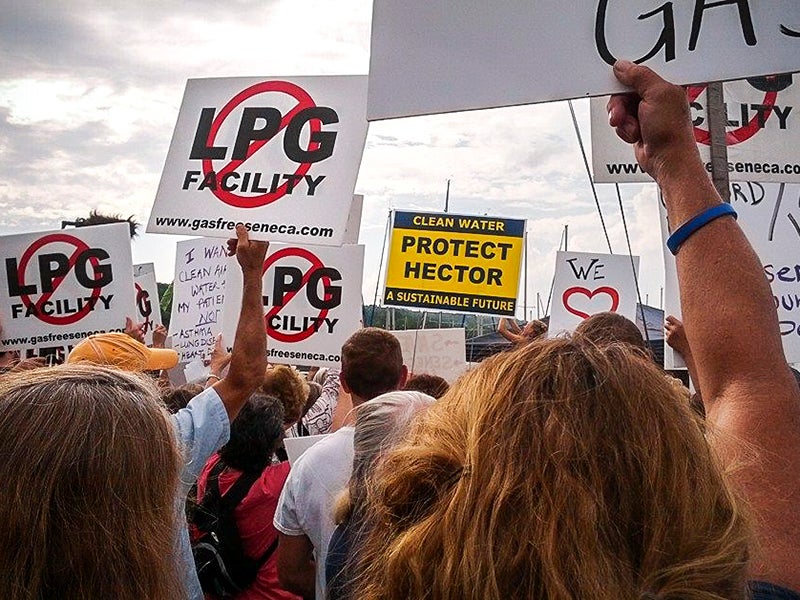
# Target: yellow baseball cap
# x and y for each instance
(123, 352)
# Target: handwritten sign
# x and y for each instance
(587, 283)
(434, 56)
(434, 351)
(312, 302)
(770, 218)
(198, 296)
(763, 132)
(148, 306)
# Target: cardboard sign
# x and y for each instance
(60, 286)
(763, 131)
(434, 351)
(148, 305)
(280, 155)
(312, 302)
(353, 227)
(434, 56)
(198, 295)
(770, 218)
(454, 262)
(586, 284)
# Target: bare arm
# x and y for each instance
(509, 330)
(676, 338)
(249, 355)
(731, 325)
(296, 567)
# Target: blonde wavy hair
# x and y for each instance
(557, 471)
(89, 462)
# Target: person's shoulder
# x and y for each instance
(316, 463)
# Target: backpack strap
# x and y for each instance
(236, 493)
(234, 496)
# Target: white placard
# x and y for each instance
(433, 56)
(279, 154)
(198, 295)
(60, 286)
(297, 446)
(763, 132)
(439, 352)
(770, 218)
(148, 303)
(312, 302)
(587, 283)
(353, 227)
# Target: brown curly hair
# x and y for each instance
(290, 387)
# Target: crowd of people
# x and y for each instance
(567, 467)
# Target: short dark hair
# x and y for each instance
(433, 385)
(372, 362)
(611, 328)
(255, 433)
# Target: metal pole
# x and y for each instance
(525, 276)
(447, 197)
(717, 119)
(566, 237)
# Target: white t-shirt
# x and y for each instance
(308, 497)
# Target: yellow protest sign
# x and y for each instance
(454, 262)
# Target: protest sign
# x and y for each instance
(454, 262)
(61, 286)
(433, 56)
(763, 131)
(280, 155)
(586, 284)
(198, 295)
(312, 302)
(770, 218)
(434, 351)
(148, 306)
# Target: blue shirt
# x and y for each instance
(203, 428)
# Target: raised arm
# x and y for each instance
(249, 355)
(752, 402)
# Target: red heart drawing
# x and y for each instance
(614, 294)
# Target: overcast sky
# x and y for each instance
(89, 96)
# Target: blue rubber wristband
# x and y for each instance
(683, 232)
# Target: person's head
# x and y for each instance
(433, 385)
(372, 364)
(255, 434)
(121, 351)
(562, 469)
(177, 398)
(288, 386)
(610, 328)
(89, 462)
(379, 425)
(533, 330)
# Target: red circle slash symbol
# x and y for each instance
(740, 134)
(611, 292)
(36, 307)
(316, 263)
(304, 101)
(142, 306)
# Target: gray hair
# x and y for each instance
(380, 424)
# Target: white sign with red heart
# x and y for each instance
(586, 284)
